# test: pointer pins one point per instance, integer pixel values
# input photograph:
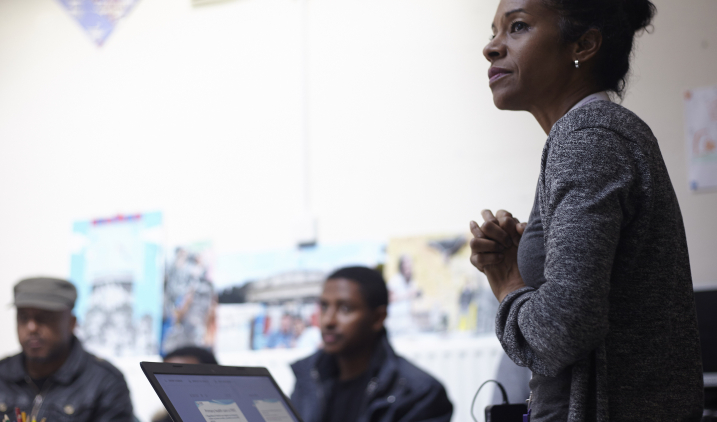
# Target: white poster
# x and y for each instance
(272, 410)
(221, 410)
(701, 137)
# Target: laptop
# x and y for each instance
(214, 393)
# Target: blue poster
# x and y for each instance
(118, 269)
(98, 17)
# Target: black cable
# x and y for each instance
(502, 392)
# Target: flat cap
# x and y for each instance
(52, 294)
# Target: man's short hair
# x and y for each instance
(371, 283)
(202, 355)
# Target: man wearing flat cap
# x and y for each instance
(54, 379)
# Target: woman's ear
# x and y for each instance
(588, 45)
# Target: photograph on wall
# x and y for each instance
(268, 300)
(190, 300)
(701, 137)
(118, 266)
(433, 288)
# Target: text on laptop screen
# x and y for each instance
(225, 398)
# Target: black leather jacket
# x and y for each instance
(84, 389)
(398, 390)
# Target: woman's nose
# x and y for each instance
(494, 49)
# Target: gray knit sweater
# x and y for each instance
(617, 306)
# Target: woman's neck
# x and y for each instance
(552, 109)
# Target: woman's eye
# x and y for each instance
(345, 309)
(491, 38)
(518, 26)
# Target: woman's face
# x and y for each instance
(530, 66)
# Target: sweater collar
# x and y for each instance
(598, 96)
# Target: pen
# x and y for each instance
(24, 417)
(5, 419)
(18, 414)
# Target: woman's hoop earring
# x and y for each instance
(577, 64)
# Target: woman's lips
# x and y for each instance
(495, 73)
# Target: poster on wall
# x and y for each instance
(701, 137)
(118, 268)
(268, 300)
(433, 288)
(98, 17)
(190, 301)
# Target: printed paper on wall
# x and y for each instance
(701, 137)
(118, 268)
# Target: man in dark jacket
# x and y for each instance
(357, 377)
(53, 378)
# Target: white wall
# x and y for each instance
(197, 112)
(681, 53)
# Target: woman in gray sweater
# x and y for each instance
(595, 291)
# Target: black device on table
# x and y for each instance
(215, 393)
(505, 412)
(706, 306)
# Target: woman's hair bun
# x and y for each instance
(618, 21)
(639, 13)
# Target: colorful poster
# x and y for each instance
(189, 299)
(434, 288)
(118, 267)
(98, 17)
(701, 137)
(268, 299)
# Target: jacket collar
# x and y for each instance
(71, 369)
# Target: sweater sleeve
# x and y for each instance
(585, 184)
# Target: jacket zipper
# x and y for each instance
(39, 398)
(320, 391)
(370, 388)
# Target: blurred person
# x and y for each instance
(467, 309)
(191, 355)
(402, 291)
(53, 377)
(187, 356)
(190, 303)
(357, 377)
(284, 337)
(595, 291)
(307, 336)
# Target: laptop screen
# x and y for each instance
(225, 398)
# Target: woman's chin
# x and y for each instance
(504, 102)
(500, 104)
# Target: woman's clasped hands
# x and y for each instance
(494, 251)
